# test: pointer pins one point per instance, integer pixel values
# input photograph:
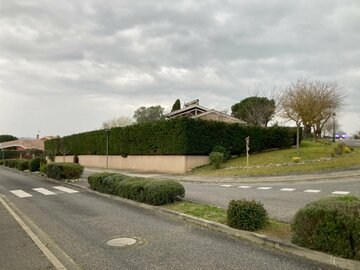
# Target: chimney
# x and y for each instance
(37, 136)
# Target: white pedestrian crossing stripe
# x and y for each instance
(340, 192)
(287, 189)
(227, 185)
(65, 189)
(44, 191)
(264, 188)
(244, 186)
(312, 191)
(21, 193)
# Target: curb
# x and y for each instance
(250, 236)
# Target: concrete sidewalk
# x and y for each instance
(237, 179)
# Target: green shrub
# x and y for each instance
(160, 192)
(42, 168)
(61, 171)
(330, 225)
(34, 164)
(132, 188)
(11, 163)
(246, 215)
(95, 179)
(22, 164)
(2, 162)
(216, 158)
(222, 149)
(139, 189)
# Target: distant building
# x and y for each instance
(26, 144)
(193, 109)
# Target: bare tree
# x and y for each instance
(121, 121)
(312, 103)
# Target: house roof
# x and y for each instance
(25, 144)
(219, 113)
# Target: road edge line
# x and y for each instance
(51, 257)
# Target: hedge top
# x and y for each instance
(181, 136)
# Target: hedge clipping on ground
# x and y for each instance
(330, 225)
(246, 215)
(61, 171)
(145, 190)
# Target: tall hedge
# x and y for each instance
(182, 136)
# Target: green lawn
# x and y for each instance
(274, 228)
(315, 157)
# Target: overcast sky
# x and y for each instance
(68, 66)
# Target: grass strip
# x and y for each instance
(274, 229)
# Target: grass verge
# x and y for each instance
(274, 229)
(314, 157)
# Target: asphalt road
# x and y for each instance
(281, 199)
(75, 227)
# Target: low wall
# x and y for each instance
(163, 164)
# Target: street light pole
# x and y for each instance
(333, 126)
(107, 131)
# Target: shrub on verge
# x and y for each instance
(34, 164)
(246, 215)
(216, 158)
(22, 164)
(331, 225)
(61, 171)
(159, 192)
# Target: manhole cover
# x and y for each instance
(121, 242)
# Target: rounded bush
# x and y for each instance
(347, 150)
(35, 163)
(95, 178)
(158, 192)
(22, 165)
(61, 171)
(216, 158)
(296, 159)
(331, 225)
(222, 149)
(246, 215)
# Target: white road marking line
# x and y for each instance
(44, 191)
(244, 186)
(20, 193)
(340, 192)
(65, 189)
(227, 185)
(51, 257)
(264, 188)
(287, 189)
(312, 191)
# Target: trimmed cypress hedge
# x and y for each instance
(146, 190)
(181, 136)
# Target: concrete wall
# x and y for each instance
(163, 164)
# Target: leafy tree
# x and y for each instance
(150, 114)
(176, 106)
(7, 138)
(254, 110)
(121, 121)
(312, 103)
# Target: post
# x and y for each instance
(247, 140)
(107, 131)
(333, 126)
(2, 152)
(297, 135)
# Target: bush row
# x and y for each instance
(181, 136)
(15, 154)
(61, 171)
(145, 190)
(24, 164)
(331, 225)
